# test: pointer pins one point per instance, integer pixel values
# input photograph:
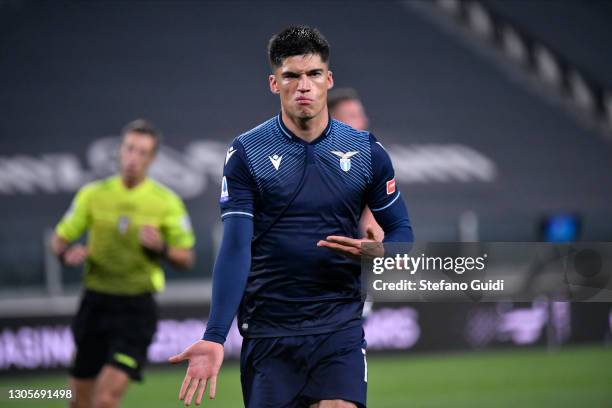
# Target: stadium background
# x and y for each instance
(497, 115)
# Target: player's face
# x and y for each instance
(136, 153)
(302, 82)
(352, 113)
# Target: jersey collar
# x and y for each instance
(291, 136)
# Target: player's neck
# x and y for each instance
(130, 183)
(306, 129)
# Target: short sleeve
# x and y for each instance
(176, 226)
(77, 219)
(238, 188)
(383, 189)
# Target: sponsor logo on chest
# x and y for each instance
(276, 161)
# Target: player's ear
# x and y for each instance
(273, 84)
(330, 80)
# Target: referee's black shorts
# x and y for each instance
(115, 330)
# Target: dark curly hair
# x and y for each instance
(297, 40)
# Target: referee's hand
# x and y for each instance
(75, 255)
(205, 358)
(151, 238)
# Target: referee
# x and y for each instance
(133, 224)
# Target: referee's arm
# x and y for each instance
(175, 239)
(181, 257)
(72, 225)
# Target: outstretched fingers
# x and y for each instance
(201, 392)
(213, 387)
(344, 241)
(192, 390)
(178, 358)
(184, 387)
(343, 249)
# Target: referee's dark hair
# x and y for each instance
(297, 40)
(143, 127)
(336, 96)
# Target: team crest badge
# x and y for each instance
(345, 159)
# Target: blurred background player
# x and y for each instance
(133, 224)
(344, 104)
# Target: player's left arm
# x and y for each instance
(384, 197)
(175, 239)
(387, 206)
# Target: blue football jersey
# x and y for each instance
(297, 194)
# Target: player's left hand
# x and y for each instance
(151, 238)
(205, 359)
(352, 247)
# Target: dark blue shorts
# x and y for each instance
(301, 370)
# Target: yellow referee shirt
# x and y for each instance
(113, 215)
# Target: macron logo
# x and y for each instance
(276, 160)
(229, 153)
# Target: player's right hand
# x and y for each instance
(205, 358)
(75, 255)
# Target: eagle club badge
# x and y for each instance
(345, 159)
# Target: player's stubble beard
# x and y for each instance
(132, 179)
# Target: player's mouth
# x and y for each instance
(130, 169)
(303, 100)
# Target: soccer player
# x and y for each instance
(345, 105)
(293, 190)
(133, 224)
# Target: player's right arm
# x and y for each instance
(72, 225)
(229, 277)
(387, 207)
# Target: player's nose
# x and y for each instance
(304, 84)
